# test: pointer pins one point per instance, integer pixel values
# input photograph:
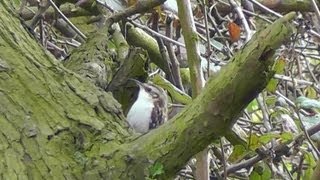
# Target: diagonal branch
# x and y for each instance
(214, 111)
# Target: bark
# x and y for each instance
(289, 5)
(138, 38)
(56, 124)
(49, 115)
(281, 6)
(197, 80)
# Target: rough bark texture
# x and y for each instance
(49, 114)
(55, 124)
(100, 60)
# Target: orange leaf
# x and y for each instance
(234, 31)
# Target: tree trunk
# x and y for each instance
(57, 124)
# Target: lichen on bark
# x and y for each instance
(56, 124)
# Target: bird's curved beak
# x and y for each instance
(137, 82)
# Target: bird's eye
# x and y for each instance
(148, 89)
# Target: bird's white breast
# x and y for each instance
(140, 113)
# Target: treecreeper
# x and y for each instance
(150, 109)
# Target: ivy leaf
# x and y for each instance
(272, 85)
(265, 138)
(156, 169)
(309, 171)
(254, 142)
(311, 92)
(237, 153)
(258, 141)
(278, 68)
(260, 172)
(286, 136)
(253, 105)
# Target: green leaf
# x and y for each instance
(253, 105)
(185, 75)
(156, 169)
(254, 142)
(286, 136)
(311, 164)
(311, 92)
(265, 138)
(254, 176)
(271, 100)
(238, 152)
(272, 85)
(260, 172)
(258, 141)
(278, 68)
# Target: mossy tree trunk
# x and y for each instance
(56, 124)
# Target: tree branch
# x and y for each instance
(214, 111)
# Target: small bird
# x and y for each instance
(149, 110)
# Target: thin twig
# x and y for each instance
(280, 148)
(316, 9)
(42, 8)
(157, 34)
(286, 169)
(299, 81)
(67, 20)
(312, 32)
(224, 163)
(162, 48)
(175, 68)
(208, 50)
(301, 123)
(292, 104)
